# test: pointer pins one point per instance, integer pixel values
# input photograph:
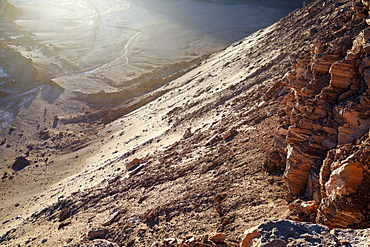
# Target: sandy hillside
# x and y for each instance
(190, 133)
(188, 163)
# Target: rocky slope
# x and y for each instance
(291, 100)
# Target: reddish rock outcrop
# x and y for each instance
(326, 110)
(344, 182)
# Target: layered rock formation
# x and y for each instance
(322, 141)
(344, 182)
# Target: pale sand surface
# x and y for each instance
(145, 131)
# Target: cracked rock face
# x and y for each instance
(326, 110)
(344, 180)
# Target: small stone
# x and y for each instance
(114, 179)
(64, 224)
(6, 221)
(101, 243)
(358, 7)
(317, 126)
(213, 140)
(65, 213)
(187, 133)
(96, 233)
(366, 36)
(313, 31)
(366, 2)
(133, 164)
(44, 135)
(11, 130)
(113, 217)
(330, 130)
(329, 143)
(135, 171)
(205, 238)
(366, 48)
(229, 134)
(170, 241)
(218, 238)
(305, 124)
(308, 207)
(44, 241)
(218, 199)
(190, 239)
(275, 90)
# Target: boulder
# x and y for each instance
(273, 162)
(339, 212)
(351, 237)
(288, 233)
(296, 177)
(344, 180)
(276, 233)
(20, 163)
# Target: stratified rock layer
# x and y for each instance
(344, 182)
(326, 112)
